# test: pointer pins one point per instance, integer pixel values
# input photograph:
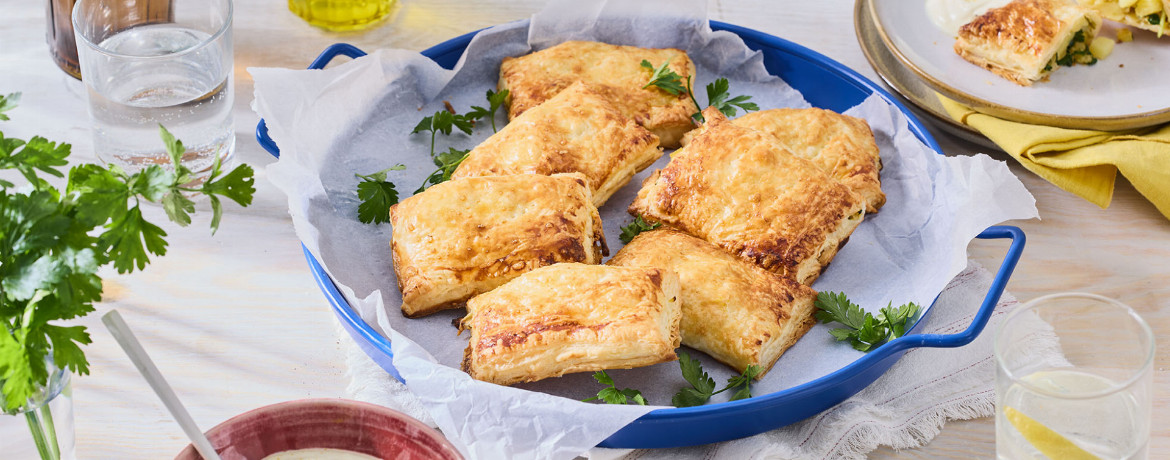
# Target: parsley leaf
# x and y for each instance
(634, 228)
(703, 386)
(718, 97)
(495, 101)
(443, 122)
(863, 330)
(665, 78)
(447, 162)
(612, 395)
(7, 103)
(377, 195)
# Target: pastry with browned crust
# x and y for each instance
(741, 190)
(1026, 40)
(738, 313)
(615, 72)
(575, 131)
(840, 145)
(468, 236)
(572, 318)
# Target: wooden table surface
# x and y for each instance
(236, 322)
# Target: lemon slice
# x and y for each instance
(1048, 442)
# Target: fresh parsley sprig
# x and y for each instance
(718, 97)
(53, 242)
(634, 228)
(377, 195)
(703, 386)
(863, 330)
(717, 93)
(495, 101)
(446, 163)
(443, 122)
(612, 395)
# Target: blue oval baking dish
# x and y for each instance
(824, 83)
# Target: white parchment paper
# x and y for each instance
(356, 118)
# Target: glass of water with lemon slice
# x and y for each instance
(1073, 380)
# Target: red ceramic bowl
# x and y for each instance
(325, 423)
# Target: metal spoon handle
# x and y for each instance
(125, 337)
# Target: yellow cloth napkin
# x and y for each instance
(1082, 162)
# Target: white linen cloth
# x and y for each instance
(903, 409)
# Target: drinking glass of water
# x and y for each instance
(142, 70)
(1073, 380)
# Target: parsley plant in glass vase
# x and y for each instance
(54, 240)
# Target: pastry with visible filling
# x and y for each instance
(615, 72)
(738, 313)
(568, 318)
(840, 145)
(468, 236)
(575, 131)
(1143, 14)
(1026, 40)
(741, 190)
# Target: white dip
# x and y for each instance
(949, 15)
(319, 454)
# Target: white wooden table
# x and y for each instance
(236, 322)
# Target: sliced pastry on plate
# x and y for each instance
(568, 318)
(614, 72)
(738, 313)
(840, 145)
(741, 190)
(575, 131)
(468, 236)
(1026, 40)
(1143, 14)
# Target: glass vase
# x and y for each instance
(42, 428)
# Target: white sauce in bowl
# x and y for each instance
(319, 454)
(950, 15)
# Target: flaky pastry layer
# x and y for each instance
(738, 313)
(575, 131)
(467, 236)
(615, 72)
(571, 317)
(741, 190)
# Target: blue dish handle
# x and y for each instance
(337, 49)
(985, 310)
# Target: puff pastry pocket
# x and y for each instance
(1026, 40)
(1143, 14)
(741, 190)
(738, 313)
(840, 145)
(615, 72)
(575, 131)
(572, 318)
(467, 236)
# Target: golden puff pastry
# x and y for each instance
(575, 131)
(467, 236)
(741, 190)
(1143, 14)
(738, 313)
(613, 71)
(840, 145)
(1025, 40)
(572, 318)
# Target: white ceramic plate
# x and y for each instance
(1129, 89)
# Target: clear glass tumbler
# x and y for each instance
(1073, 380)
(173, 69)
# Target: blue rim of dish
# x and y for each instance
(443, 53)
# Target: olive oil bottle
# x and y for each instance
(341, 15)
